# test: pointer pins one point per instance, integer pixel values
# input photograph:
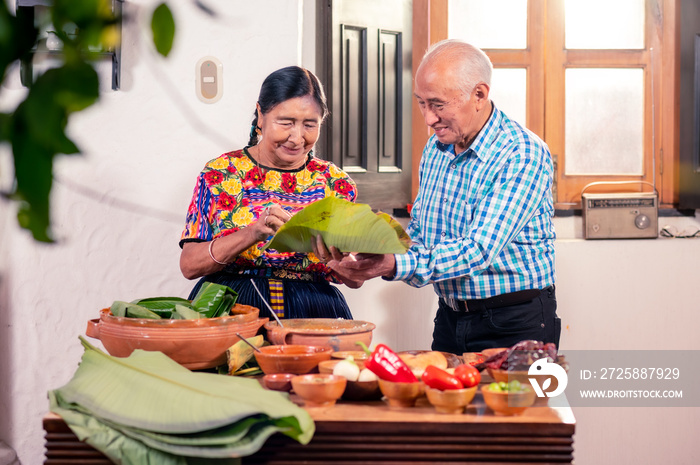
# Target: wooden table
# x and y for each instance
(372, 433)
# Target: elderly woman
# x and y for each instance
(243, 197)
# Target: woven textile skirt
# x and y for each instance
(299, 299)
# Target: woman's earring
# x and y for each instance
(258, 130)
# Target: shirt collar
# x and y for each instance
(486, 136)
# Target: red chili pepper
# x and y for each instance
(387, 365)
(437, 378)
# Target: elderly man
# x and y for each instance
(481, 223)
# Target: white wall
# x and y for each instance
(119, 208)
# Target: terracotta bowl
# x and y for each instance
(507, 376)
(401, 395)
(278, 381)
(508, 403)
(297, 359)
(319, 390)
(336, 333)
(362, 390)
(196, 344)
(357, 355)
(450, 400)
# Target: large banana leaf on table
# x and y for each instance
(351, 227)
(146, 408)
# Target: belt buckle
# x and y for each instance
(454, 304)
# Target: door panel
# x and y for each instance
(365, 63)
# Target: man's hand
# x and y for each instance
(361, 267)
(354, 269)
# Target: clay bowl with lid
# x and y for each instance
(196, 344)
(291, 358)
(337, 333)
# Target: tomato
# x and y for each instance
(468, 375)
(438, 378)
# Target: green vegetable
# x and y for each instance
(513, 386)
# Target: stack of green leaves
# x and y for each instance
(148, 409)
(211, 301)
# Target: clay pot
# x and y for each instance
(336, 333)
(401, 395)
(319, 390)
(196, 344)
(508, 403)
(450, 401)
(297, 359)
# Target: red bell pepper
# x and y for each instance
(387, 365)
(437, 378)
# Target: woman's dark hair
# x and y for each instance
(282, 85)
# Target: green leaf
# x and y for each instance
(136, 311)
(210, 297)
(351, 227)
(186, 313)
(163, 27)
(162, 303)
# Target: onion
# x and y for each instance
(348, 369)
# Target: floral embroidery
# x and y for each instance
(226, 202)
(232, 192)
(289, 182)
(213, 177)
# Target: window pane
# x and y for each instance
(509, 92)
(483, 23)
(604, 24)
(604, 121)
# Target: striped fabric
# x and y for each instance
(482, 220)
(276, 297)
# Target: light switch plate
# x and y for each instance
(209, 79)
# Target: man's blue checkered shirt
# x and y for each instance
(481, 223)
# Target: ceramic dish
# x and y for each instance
(297, 359)
(320, 389)
(336, 333)
(196, 344)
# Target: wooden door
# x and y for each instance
(364, 55)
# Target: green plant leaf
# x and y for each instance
(163, 27)
(149, 397)
(351, 227)
(186, 313)
(210, 300)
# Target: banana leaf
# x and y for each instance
(131, 310)
(185, 313)
(130, 407)
(238, 354)
(214, 300)
(351, 227)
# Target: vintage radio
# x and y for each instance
(629, 215)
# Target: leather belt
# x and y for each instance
(498, 301)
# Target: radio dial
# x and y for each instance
(642, 221)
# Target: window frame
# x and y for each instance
(546, 61)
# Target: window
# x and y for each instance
(594, 78)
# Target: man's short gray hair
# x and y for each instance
(470, 63)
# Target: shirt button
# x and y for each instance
(454, 167)
(444, 199)
(443, 234)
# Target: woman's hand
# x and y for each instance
(270, 220)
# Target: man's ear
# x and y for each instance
(481, 92)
